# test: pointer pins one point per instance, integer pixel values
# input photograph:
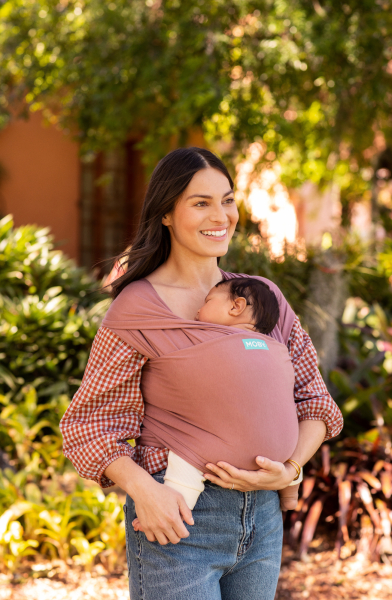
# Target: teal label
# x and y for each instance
(255, 345)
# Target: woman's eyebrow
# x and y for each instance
(207, 196)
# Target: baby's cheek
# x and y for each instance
(212, 314)
(203, 315)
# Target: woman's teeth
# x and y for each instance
(215, 233)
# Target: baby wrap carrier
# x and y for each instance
(211, 393)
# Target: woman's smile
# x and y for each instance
(217, 234)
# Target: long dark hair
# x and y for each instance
(151, 245)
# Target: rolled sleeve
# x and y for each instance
(313, 401)
(107, 410)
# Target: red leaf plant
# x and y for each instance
(348, 488)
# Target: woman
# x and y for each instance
(230, 546)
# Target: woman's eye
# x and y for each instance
(201, 203)
(229, 200)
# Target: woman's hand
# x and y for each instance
(272, 475)
(161, 511)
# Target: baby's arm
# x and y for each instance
(182, 477)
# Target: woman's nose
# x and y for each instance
(218, 214)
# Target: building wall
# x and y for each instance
(42, 179)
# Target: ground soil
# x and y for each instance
(320, 576)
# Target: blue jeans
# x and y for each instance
(233, 551)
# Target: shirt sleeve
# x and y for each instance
(312, 398)
(106, 410)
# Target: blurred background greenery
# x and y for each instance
(298, 89)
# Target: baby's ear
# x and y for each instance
(238, 306)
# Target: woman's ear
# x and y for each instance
(166, 220)
(238, 306)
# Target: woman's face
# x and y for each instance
(204, 218)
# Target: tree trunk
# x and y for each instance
(328, 292)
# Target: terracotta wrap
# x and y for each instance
(211, 392)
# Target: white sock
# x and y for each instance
(184, 478)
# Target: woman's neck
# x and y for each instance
(189, 272)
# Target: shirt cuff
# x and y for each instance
(322, 409)
(124, 450)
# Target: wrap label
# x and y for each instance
(255, 345)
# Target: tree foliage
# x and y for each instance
(310, 80)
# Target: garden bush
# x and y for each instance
(49, 313)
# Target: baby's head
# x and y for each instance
(241, 300)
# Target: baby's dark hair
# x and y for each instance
(265, 306)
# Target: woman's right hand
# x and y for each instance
(161, 512)
(160, 509)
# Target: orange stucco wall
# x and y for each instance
(41, 184)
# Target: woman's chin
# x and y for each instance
(220, 249)
(217, 254)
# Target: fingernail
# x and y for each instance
(192, 521)
(261, 459)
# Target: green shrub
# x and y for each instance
(74, 527)
(49, 313)
(363, 377)
(29, 433)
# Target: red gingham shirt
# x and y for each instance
(107, 410)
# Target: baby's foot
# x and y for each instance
(288, 503)
(289, 497)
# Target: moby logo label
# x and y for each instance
(255, 345)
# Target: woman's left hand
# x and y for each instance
(272, 475)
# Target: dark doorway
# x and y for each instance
(112, 192)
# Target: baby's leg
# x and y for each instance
(182, 477)
(289, 497)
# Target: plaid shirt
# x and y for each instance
(107, 410)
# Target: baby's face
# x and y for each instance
(216, 307)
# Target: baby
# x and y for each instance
(244, 303)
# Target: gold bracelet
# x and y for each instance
(296, 467)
